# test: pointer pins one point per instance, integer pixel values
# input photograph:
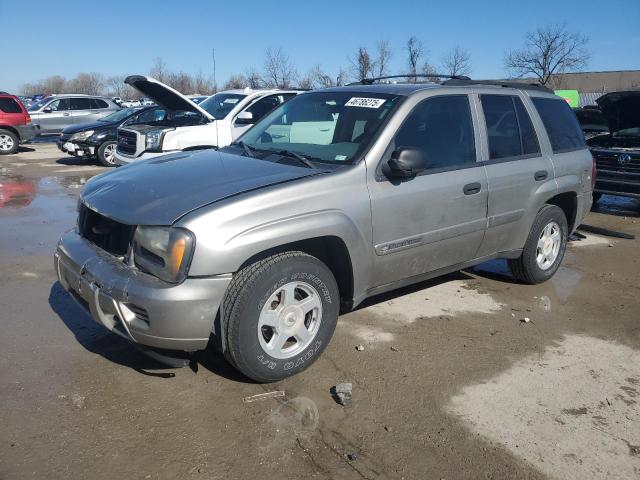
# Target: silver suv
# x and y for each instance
(54, 114)
(333, 197)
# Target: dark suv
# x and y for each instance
(15, 124)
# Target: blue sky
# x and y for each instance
(123, 37)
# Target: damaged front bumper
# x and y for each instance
(135, 305)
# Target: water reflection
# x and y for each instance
(615, 205)
(16, 191)
(42, 212)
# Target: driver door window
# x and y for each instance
(263, 106)
(442, 128)
(59, 105)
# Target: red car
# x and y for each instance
(15, 124)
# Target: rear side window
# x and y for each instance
(97, 103)
(443, 129)
(9, 105)
(509, 129)
(81, 104)
(560, 123)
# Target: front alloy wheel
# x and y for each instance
(279, 315)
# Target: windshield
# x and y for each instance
(326, 126)
(220, 104)
(119, 115)
(39, 104)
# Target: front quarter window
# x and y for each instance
(324, 126)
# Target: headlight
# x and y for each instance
(81, 135)
(163, 251)
(154, 140)
(100, 135)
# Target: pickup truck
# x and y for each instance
(214, 122)
(335, 196)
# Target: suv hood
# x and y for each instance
(161, 190)
(622, 109)
(86, 126)
(164, 95)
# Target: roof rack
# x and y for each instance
(369, 81)
(498, 83)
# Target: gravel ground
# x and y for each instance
(451, 382)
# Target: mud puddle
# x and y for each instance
(35, 213)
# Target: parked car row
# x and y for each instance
(331, 197)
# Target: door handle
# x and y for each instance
(66, 114)
(541, 175)
(471, 188)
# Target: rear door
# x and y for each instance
(55, 116)
(83, 110)
(517, 170)
(436, 219)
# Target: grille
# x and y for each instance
(111, 236)
(127, 141)
(140, 312)
(611, 161)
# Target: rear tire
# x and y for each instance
(279, 315)
(106, 153)
(8, 142)
(544, 249)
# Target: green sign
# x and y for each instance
(572, 97)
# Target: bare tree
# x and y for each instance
(415, 51)
(383, 56)
(254, 79)
(159, 70)
(457, 62)
(203, 85)
(116, 86)
(362, 64)
(279, 70)
(547, 51)
(86, 83)
(236, 81)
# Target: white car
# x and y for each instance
(215, 122)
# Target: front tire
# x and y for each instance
(279, 315)
(544, 249)
(106, 153)
(8, 142)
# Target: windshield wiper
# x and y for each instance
(247, 149)
(288, 153)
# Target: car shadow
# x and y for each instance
(98, 340)
(78, 161)
(23, 149)
(415, 287)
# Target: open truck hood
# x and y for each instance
(622, 109)
(164, 95)
(162, 190)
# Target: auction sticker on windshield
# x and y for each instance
(365, 102)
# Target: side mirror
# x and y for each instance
(47, 110)
(406, 162)
(245, 118)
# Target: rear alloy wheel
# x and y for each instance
(106, 154)
(545, 247)
(8, 142)
(279, 315)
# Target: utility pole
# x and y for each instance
(215, 82)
